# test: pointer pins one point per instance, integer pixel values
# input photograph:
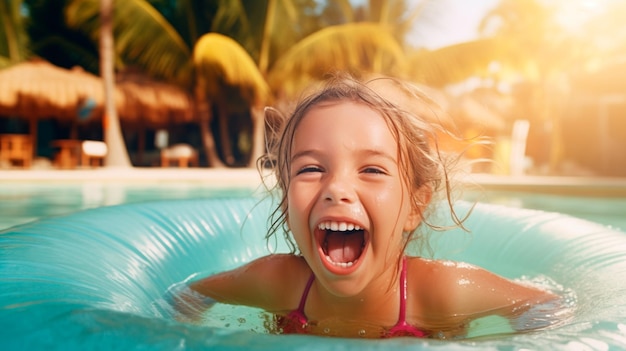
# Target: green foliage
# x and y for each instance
(143, 37)
(357, 47)
(13, 38)
(220, 61)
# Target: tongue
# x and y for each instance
(344, 247)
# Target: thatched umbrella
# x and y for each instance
(37, 89)
(149, 103)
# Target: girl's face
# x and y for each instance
(347, 203)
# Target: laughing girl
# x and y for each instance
(356, 166)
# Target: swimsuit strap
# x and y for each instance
(305, 293)
(402, 328)
(403, 293)
(296, 321)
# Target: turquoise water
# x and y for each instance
(25, 202)
(116, 277)
(610, 211)
(97, 279)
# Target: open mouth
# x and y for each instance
(342, 243)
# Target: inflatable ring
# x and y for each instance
(90, 280)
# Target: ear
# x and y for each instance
(417, 209)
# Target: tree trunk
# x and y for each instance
(265, 40)
(224, 130)
(205, 114)
(117, 155)
(258, 135)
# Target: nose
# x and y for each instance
(339, 189)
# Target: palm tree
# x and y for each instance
(310, 52)
(357, 47)
(221, 62)
(117, 156)
(143, 37)
(165, 54)
(368, 38)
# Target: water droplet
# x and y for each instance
(362, 332)
(241, 320)
(326, 330)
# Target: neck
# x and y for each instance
(379, 300)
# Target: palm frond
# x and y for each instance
(142, 36)
(357, 47)
(455, 63)
(13, 37)
(220, 60)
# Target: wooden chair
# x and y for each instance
(93, 153)
(183, 155)
(68, 154)
(16, 148)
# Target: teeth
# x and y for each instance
(338, 226)
(339, 264)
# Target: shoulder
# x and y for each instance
(435, 268)
(280, 262)
(455, 277)
(276, 268)
(280, 276)
(463, 288)
(268, 282)
(442, 271)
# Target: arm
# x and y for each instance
(462, 292)
(188, 304)
(526, 307)
(479, 292)
(260, 283)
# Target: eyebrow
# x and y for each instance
(310, 152)
(364, 152)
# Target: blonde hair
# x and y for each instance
(414, 120)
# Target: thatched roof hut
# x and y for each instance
(37, 89)
(152, 103)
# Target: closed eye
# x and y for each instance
(309, 169)
(374, 170)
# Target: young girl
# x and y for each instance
(357, 168)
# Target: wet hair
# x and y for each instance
(414, 119)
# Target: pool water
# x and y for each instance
(236, 318)
(28, 201)
(139, 268)
(25, 202)
(610, 211)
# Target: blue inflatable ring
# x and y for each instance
(90, 280)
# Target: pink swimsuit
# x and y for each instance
(295, 322)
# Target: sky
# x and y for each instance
(453, 21)
(450, 22)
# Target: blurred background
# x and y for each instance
(544, 80)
